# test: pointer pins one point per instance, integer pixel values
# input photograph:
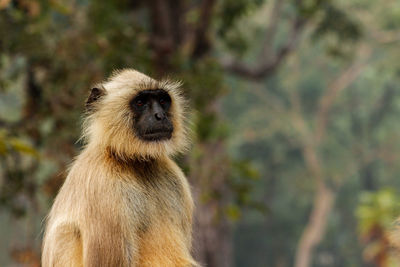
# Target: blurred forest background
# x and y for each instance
(295, 109)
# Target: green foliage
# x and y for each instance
(391, 16)
(10, 144)
(336, 21)
(376, 214)
(203, 82)
(338, 29)
(242, 182)
(236, 42)
(229, 25)
(232, 10)
(233, 212)
(377, 208)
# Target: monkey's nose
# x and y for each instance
(159, 115)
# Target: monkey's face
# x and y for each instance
(152, 120)
(135, 115)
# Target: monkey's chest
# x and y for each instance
(165, 202)
(161, 213)
(157, 201)
(165, 236)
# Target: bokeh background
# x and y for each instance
(295, 110)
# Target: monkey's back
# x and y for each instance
(133, 212)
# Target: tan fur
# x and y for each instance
(394, 237)
(124, 202)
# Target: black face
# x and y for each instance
(152, 118)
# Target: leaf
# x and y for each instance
(3, 147)
(22, 147)
(233, 212)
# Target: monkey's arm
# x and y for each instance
(107, 238)
(66, 245)
(62, 246)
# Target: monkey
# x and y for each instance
(125, 202)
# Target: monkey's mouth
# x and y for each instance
(157, 134)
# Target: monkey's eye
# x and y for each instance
(162, 101)
(139, 103)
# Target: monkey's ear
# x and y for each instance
(95, 94)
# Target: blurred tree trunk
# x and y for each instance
(212, 229)
(314, 231)
(212, 232)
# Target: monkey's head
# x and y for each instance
(133, 115)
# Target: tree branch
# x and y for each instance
(339, 84)
(314, 231)
(271, 29)
(324, 196)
